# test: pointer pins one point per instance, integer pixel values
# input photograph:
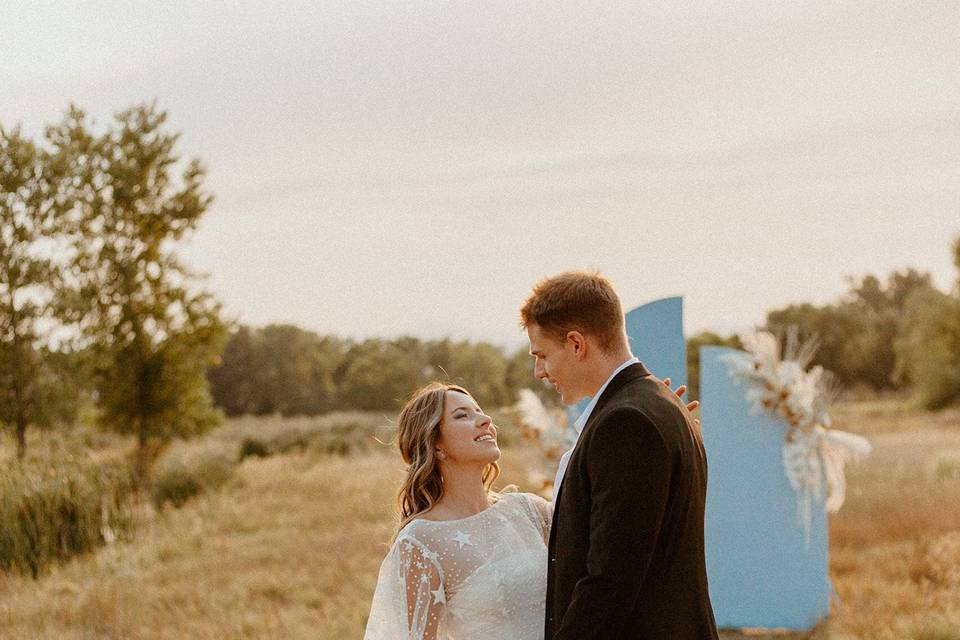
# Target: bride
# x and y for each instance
(467, 562)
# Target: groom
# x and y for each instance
(626, 555)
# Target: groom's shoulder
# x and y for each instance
(639, 393)
(645, 400)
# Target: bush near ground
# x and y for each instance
(55, 511)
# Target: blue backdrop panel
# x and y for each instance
(655, 331)
(761, 569)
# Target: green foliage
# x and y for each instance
(342, 440)
(185, 470)
(286, 370)
(253, 447)
(519, 375)
(278, 369)
(235, 378)
(482, 369)
(380, 375)
(60, 508)
(928, 347)
(153, 335)
(29, 215)
(478, 366)
(856, 336)
(837, 328)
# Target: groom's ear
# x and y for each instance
(578, 342)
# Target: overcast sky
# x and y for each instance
(413, 168)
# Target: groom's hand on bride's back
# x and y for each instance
(682, 389)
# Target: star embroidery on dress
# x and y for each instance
(463, 539)
(430, 555)
(439, 596)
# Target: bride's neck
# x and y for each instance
(463, 491)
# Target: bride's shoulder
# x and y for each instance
(522, 497)
(416, 537)
(415, 530)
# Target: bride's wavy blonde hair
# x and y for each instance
(418, 431)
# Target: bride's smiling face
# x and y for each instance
(467, 434)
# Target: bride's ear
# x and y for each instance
(441, 455)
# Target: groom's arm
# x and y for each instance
(629, 468)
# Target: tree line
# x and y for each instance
(288, 370)
(898, 334)
(901, 333)
(97, 309)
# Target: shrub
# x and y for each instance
(289, 439)
(186, 470)
(253, 447)
(335, 433)
(54, 511)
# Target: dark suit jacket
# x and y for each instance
(626, 545)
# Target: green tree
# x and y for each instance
(153, 333)
(882, 309)
(835, 326)
(28, 218)
(279, 368)
(482, 369)
(856, 335)
(928, 347)
(294, 370)
(233, 382)
(901, 284)
(380, 375)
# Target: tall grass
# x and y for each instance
(340, 433)
(187, 469)
(54, 511)
(291, 547)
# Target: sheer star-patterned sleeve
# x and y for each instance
(543, 514)
(410, 599)
(545, 508)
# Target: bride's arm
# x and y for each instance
(544, 513)
(425, 595)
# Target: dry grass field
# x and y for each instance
(290, 547)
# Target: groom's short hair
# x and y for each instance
(576, 301)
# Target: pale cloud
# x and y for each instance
(387, 169)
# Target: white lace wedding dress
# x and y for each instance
(479, 577)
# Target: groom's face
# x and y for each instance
(556, 362)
